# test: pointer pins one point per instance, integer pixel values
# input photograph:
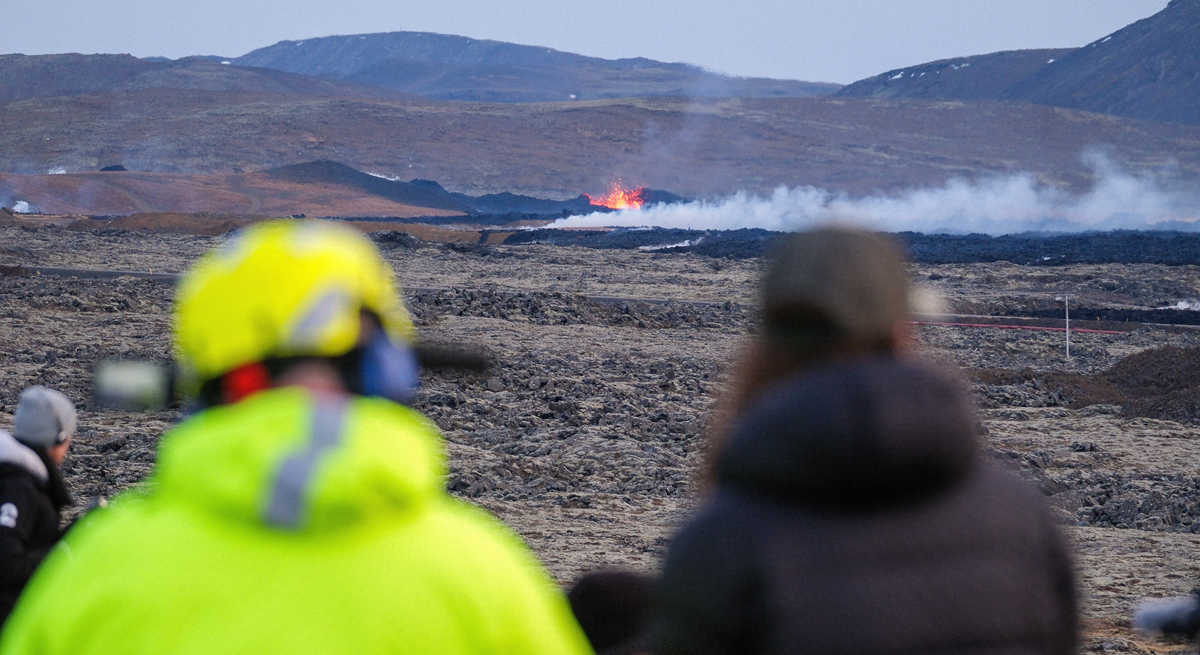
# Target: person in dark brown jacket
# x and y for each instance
(852, 510)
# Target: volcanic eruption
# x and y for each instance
(619, 197)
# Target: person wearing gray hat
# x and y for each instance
(32, 491)
(851, 509)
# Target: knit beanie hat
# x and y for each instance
(851, 284)
(44, 418)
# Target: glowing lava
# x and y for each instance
(618, 197)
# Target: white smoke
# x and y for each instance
(21, 207)
(997, 205)
(57, 170)
(1186, 305)
(682, 244)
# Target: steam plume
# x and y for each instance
(997, 205)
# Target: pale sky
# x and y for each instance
(815, 40)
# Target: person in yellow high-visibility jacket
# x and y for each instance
(303, 511)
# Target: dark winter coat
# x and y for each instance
(31, 497)
(854, 513)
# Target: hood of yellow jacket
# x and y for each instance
(340, 459)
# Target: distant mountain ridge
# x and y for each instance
(40, 76)
(979, 77)
(391, 65)
(446, 67)
(1148, 70)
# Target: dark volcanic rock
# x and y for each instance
(658, 196)
(392, 240)
(1158, 503)
(1159, 383)
(1118, 246)
(331, 172)
(542, 308)
(741, 244)
(1124, 315)
(508, 203)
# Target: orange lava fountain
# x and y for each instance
(618, 197)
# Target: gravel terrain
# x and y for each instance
(587, 434)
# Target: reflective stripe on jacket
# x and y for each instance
(298, 524)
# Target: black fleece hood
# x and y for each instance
(854, 435)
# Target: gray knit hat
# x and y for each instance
(853, 283)
(44, 417)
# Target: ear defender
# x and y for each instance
(389, 371)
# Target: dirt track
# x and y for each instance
(586, 436)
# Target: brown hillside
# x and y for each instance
(249, 193)
(210, 224)
(169, 223)
(560, 149)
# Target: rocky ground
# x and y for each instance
(587, 434)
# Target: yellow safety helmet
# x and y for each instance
(282, 288)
